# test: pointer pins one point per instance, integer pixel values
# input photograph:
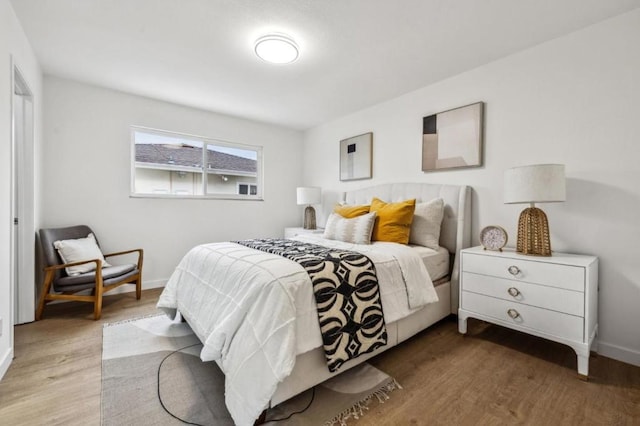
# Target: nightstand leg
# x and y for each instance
(462, 324)
(582, 352)
(583, 365)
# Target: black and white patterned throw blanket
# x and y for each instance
(347, 296)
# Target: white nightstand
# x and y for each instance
(551, 297)
(292, 232)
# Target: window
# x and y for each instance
(167, 164)
(247, 188)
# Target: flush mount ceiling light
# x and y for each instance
(276, 48)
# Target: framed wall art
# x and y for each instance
(453, 139)
(355, 157)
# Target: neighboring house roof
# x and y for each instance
(189, 156)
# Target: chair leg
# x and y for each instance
(48, 280)
(139, 287)
(97, 303)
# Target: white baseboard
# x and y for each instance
(146, 285)
(619, 353)
(5, 362)
(127, 288)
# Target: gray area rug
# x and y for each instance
(193, 390)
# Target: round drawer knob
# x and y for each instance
(514, 270)
(513, 313)
(513, 291)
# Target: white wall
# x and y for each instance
(14, 46)
(574, 100)
(87, 166)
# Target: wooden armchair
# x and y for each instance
(100, 280)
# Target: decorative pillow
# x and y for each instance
(71, 251)
(356, 230)
(427, 219)
(394, 220)
(350, 211)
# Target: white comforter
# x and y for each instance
(254, 311)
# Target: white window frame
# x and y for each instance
(249, 185)
(206, 141)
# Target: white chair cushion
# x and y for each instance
(77, 250)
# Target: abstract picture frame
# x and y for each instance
(356, 157)
(453, 139)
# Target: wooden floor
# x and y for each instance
(490, 376)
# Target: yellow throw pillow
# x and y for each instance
(393, 221)
(351, 211)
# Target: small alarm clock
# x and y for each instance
(493, 237)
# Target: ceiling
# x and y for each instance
(354, 53)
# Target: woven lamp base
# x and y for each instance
(533, 233)
(309, 218)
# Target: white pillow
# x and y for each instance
(427, 219)
(71, 251)
(356, 230)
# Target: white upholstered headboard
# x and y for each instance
(455, 233)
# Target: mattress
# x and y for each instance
(436, 261)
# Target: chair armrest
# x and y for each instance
(50, 272)
(98, 263)
(120, 253)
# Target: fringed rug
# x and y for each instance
(145, 358)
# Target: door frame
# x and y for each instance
(22, 263)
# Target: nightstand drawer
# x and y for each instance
(532, 271)
(556, 299)
(541, 320)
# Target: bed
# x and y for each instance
(266, 339)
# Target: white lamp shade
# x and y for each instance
(539, 183)
(309, 195)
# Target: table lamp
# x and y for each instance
(307, 196)
(539, 183)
